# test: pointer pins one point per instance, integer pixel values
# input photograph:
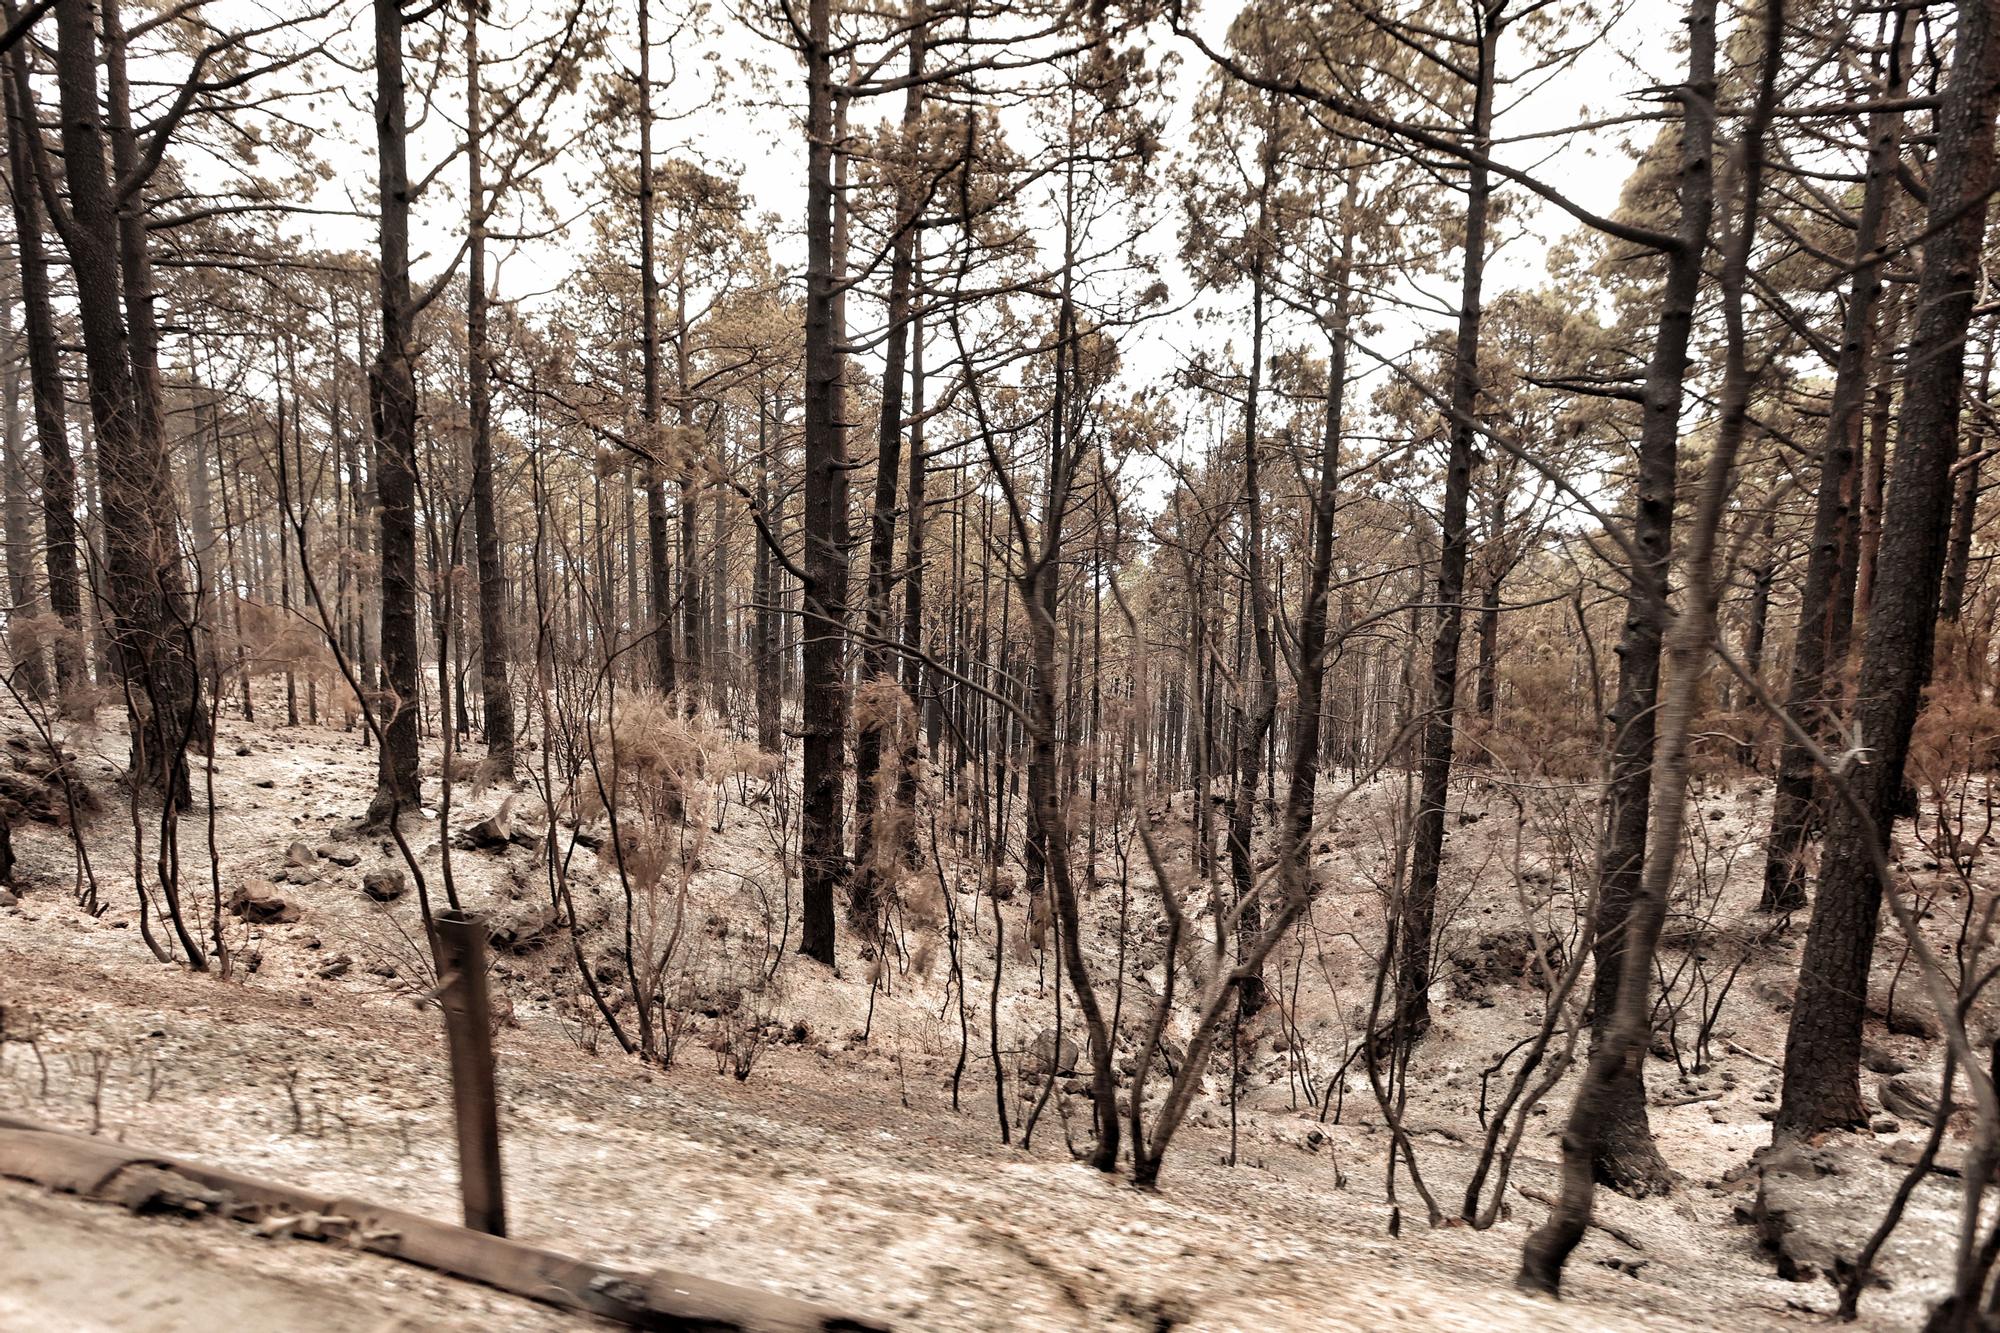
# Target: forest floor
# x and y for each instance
(839, 1171)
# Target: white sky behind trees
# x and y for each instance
(732, 99)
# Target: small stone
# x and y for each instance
(260, 903)
(1050, 1056)
(8, 898)
(266, 783)
(336, 966)
(1904, 1095)
(340, 856)
(523, 930)
(298, 854)
(1885, 1124)
(384, 886)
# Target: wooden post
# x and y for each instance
(468, 1030)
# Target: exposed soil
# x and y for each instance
(839, 1170)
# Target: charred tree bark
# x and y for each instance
(1821, 645)
(145, 584)
(879, 654)
(823, 619)
(497, 716)
(1964, 515)
(1486, 692)
(660, 594)
(1821, 1087)
(1626, 1157)
(1757, 630)
(767, 637)
(1260, 692)
(1303, 762)
(1417, 912)
(1875, 468)
(392, 392)
(913, 580)
(1616, 1054)
(24, 648)
(1047, 814)
(59, 535)
(1965, 495)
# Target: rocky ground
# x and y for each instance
(840, 1170)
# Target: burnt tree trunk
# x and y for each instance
(926, 702)
(878, 653)
(1626, 1157)
(1965, 496)
(1303, 761)
(1618, 1049)
(1260, 689)
(59, 534)
(1417, 912)
(1812, 695)
(497, 716)
(23, 645)
(1486, 691)
(659, 620)
(1821, 1087)
(1756, 632)
(145, 584)
(767, 637)
(392, 392)
(823, 619)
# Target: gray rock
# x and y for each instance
(260, 903)
(524, 930)
(485, 836)
(298, 854)
(384, 886)
(345, 857)
(493, 833)
(1907, 1096)
(1800, 1219)
(1048, 1055)
(8, 898)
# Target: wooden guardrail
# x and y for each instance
(663, 1299)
